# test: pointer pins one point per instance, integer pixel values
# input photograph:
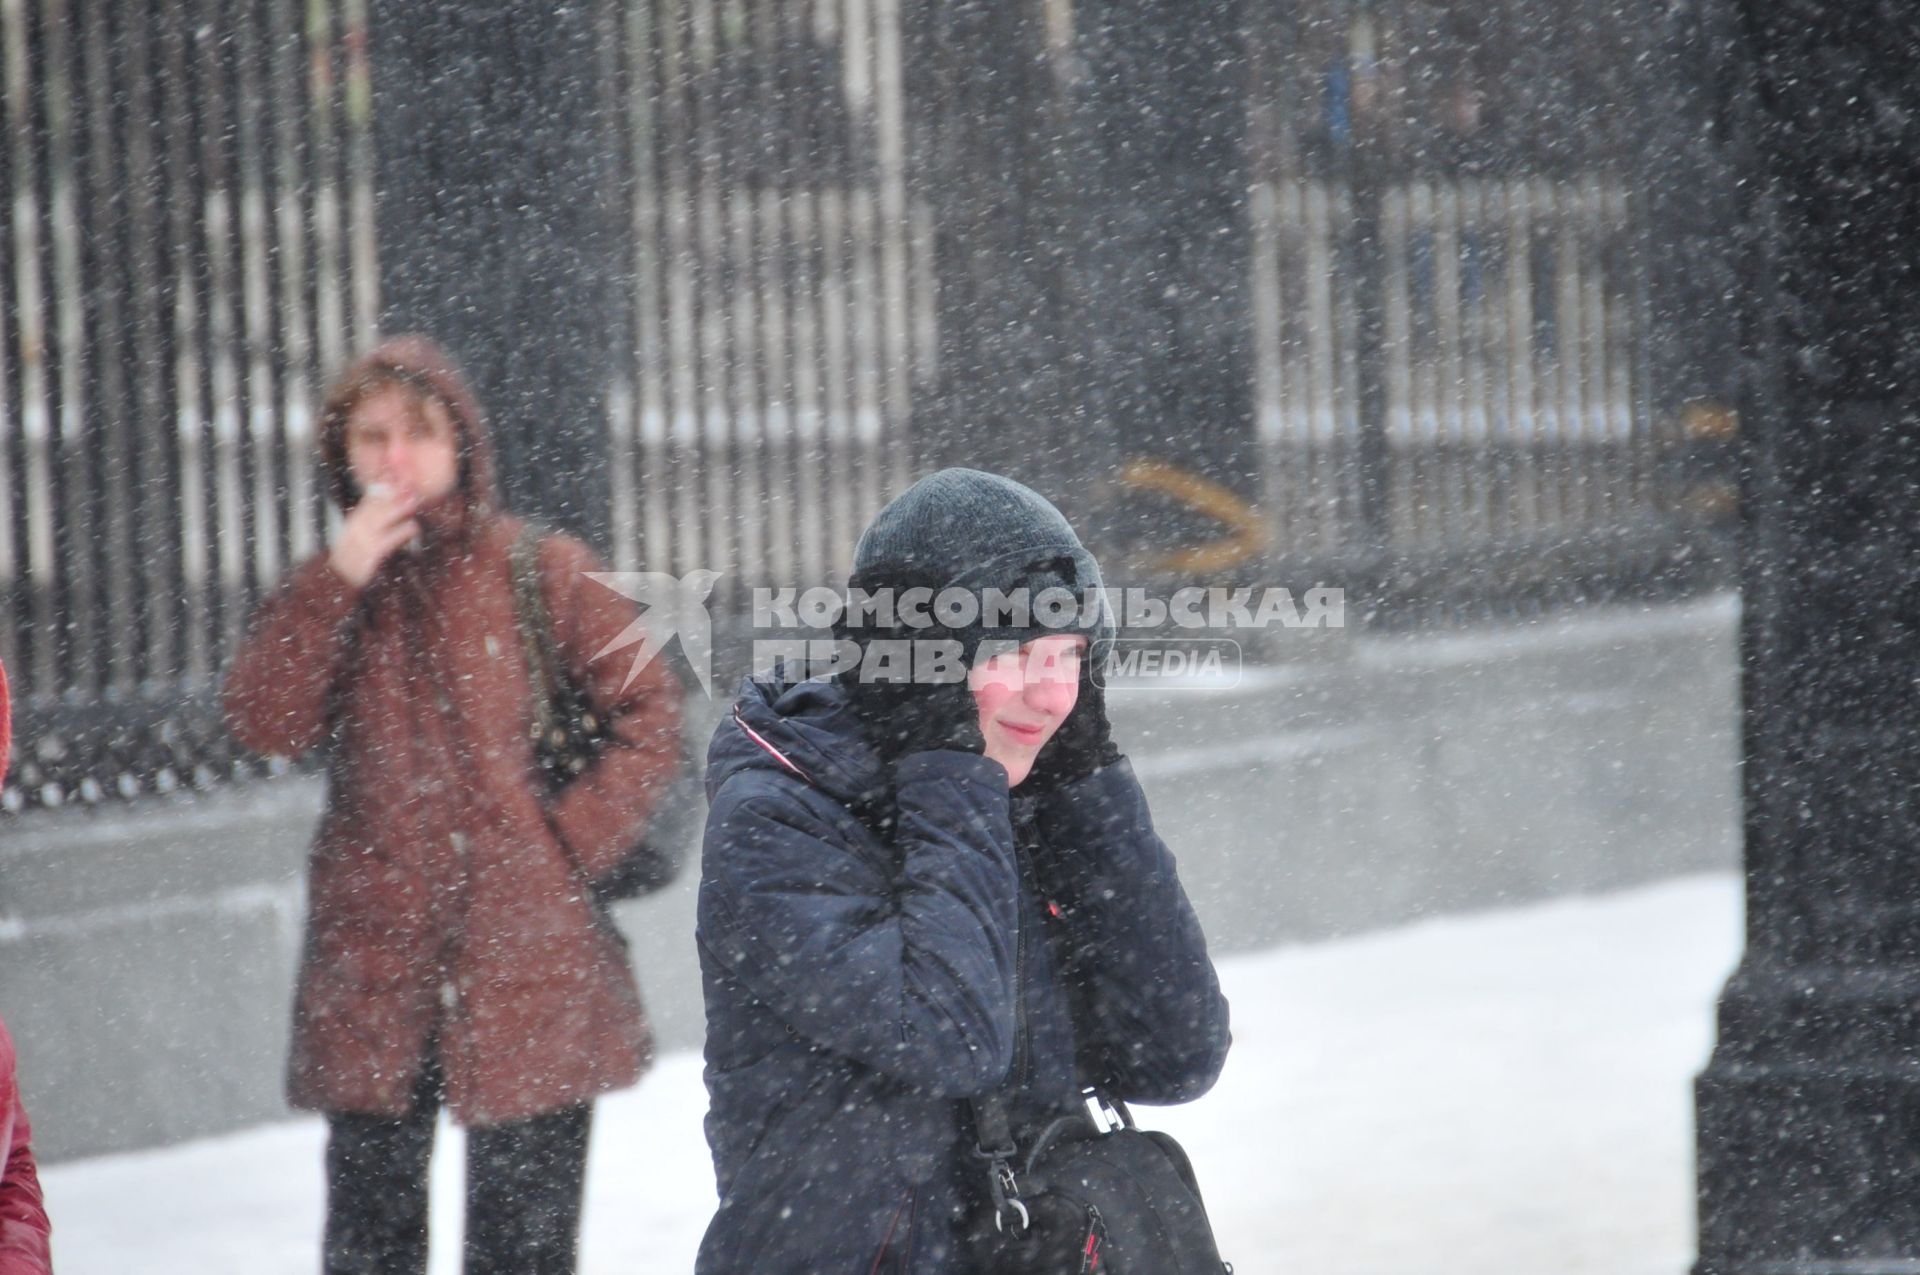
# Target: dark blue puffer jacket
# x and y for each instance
(867, 948)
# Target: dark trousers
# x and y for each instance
(524, 1182)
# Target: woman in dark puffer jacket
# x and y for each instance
(896, 875)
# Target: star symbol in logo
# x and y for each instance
(672, 607)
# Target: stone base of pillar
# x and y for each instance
(1809, 1124)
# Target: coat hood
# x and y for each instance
(785, 720)
(419, 362)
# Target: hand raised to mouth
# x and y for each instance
(382, 522)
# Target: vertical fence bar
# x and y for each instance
(331, 334)
(729, 285)
(746, 373)
(896, 308)
(118, 422)
(257, 389)
(683, 411)
(839, 239)
(1469, 396)
(1393, 354)
(863, 285)
(753, 141)
(773, 338)
(708, 245)
(1522, 421)
(13, 580)
(1263, 294)
(186, 256)
(1603, 455)
(614, 71)
(1632, 352)
(1501, 370)
(287, 59)
(73, 512)
(1448, 377)
(835, 350)
(36, 393)
(623, 396)
(1421, 459)
(1549, 345)
(926, 308)
(654, 377)
(354, 103)
(1583, 443)
(1316, 344)
(1570, 347)
(225, 531)
(801, 177)
(149, 186)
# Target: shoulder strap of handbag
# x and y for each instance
(530, 617)
(992, 1118)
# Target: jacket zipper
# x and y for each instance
(1018, 1075)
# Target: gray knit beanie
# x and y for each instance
(965, 529)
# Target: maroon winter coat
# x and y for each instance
(444, 890)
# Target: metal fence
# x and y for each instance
(783, 288)
(1447, 316)
(188, 250)
(1516, 397)
(1454, 210)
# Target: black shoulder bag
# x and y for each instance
(1093, 1193)
(568, 733)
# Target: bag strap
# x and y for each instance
(536, 632)
(992, 1118)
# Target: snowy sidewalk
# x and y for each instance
(1505, 1093)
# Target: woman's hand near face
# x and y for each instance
(1082, 745)
(371, 531)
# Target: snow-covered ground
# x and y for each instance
(1505, 1093)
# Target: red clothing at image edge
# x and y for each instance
(24, 1229)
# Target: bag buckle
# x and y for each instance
(1106, 1117)
(1006, 1196)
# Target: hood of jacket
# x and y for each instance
(804, 725)
(419, 362)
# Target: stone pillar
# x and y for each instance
(501, 210)
(1809, 1111)
(1166, 250)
